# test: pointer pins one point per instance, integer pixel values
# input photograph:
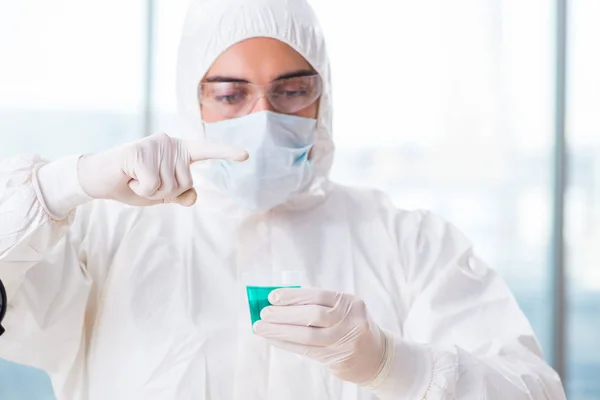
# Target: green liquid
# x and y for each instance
(258, 298)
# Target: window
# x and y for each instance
(71, 75)
(71, 81)
(457, 118)
(582, 213)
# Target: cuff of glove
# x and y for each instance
(407, 372)
(58, 188)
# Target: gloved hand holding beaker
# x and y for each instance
(332, 328)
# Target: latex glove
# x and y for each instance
(150, 171)
(332, 328)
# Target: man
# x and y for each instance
(118, 300)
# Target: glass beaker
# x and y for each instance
(260, 284)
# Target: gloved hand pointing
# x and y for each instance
(332, 328)
(150, 171)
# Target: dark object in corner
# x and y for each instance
(3, 305)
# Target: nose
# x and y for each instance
(262, 105)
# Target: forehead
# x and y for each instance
(258, 60)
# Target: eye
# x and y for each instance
(225, 93)
(291, 92)
(229, 98)
(295, 93)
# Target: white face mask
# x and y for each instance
(278, 166)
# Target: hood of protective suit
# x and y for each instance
(212, 26)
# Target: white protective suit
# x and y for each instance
(122, 302)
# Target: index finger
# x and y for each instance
(201, 150)
(303, 296)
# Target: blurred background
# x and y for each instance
(465, 107)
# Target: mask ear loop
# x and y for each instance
(310, 152)
(199, 100)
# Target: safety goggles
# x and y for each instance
(236, 99)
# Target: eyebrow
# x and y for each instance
(287, 75)
(296, 74)
(219, 78)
